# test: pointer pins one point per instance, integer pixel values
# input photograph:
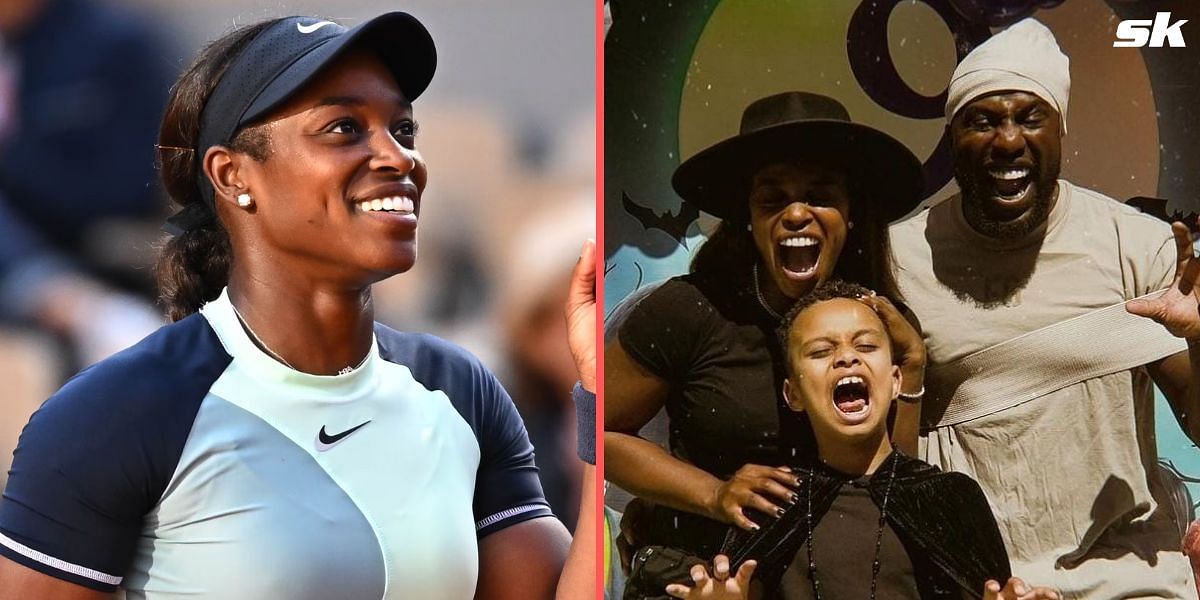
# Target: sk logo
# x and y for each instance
(1135, 33)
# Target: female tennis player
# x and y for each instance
(274, 441)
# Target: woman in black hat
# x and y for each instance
(275, 442)
(804, 194)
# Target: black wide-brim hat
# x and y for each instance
(802, 125)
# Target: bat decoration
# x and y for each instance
(1157, 207)
(675, 226)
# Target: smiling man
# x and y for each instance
(1068, 463)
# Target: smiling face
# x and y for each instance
(840, 372)
(1007, 154)
(340, 189)
(798, 216)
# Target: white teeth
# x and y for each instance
(1010, 174)
(850, 379)
(798, 242)
(393, 203)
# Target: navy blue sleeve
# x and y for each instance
(507, 488)
(96, 457)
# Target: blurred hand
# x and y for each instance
(718, 586)
(1177, 309)
(750, 487)
(1016, 589)
(581, 316)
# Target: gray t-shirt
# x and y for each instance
(1070, 475)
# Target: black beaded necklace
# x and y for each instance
(812, 565)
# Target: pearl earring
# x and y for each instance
(749, 227)
(850, 225)
(244, 200)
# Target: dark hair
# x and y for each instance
(730, 251)
(830, 290)
(193, 267)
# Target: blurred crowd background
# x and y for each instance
(507, 128)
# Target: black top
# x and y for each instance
(942, 520)
(844, 551)
(715, 346)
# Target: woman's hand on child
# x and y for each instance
(907, 344)
(765, 489)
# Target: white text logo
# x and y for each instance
(1135, 33)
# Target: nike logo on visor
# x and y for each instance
(313, 27)
(326, 441)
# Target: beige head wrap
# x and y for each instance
(1023, 58)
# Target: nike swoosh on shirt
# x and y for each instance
(326, 441)
(313, 27)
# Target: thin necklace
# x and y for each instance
(258, 341)
(812, 565)
(762, 300)
(273, 354)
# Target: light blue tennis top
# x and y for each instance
(194, 465)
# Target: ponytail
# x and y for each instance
(194, 266)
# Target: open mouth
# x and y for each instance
(852, 398)
(1011, 184)
(798, 256)
(396, 204)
